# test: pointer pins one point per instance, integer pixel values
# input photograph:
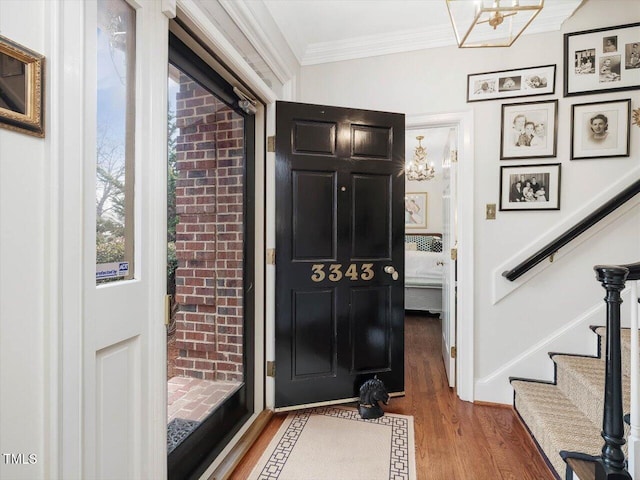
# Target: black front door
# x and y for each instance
(339, 252)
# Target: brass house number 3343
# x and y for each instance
(335, 272)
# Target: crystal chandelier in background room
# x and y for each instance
(417, 168)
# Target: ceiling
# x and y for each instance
(320, 31)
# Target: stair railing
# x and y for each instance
(611, 464)
(582, 226)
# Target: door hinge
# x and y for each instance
(271, 256)
(454, 253)
(271, 143)
(454, 156)
(454, 352)
(167, 309)
(271, 369)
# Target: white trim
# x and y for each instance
(373, 45)
(169, 8)
(330, 402)
(52, 233)
(634, 434)
(67, 153)
(191, 13)
(501, 287)
(270, 270)
(254, 29)
(549, 20)
(465, 232)
(259, 261)
(535, 362)
(153, 70)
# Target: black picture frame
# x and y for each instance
(543, 195)
(602, 60)
(601, 129)
(520, 82)
(529, 130)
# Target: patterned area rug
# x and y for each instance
(334, 443)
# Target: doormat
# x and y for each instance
(335, 443)
(177, 430)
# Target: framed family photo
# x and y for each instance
(529, 130)
(415, 210)
(600, 129)
(602, 60)
(524, 82)
(530, 187)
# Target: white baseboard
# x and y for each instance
(573, 337)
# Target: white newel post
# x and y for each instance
(634, 435)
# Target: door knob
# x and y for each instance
(391, 271)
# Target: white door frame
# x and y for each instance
(465, 227)
(70, 140)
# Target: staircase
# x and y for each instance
(566, 415)
(579, 417)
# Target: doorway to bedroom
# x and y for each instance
(431, 228)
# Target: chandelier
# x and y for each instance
(418, 168)
(490, 23)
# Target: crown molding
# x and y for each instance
(169, 8)
(374, 45)
(255, 21)
(262, 37)
(410, 40)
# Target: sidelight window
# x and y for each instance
(115, 149)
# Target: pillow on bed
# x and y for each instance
(411, 246)
(423, 242)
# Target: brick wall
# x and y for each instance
(209, 243)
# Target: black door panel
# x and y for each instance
(339, 223)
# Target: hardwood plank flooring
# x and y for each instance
(455, 440)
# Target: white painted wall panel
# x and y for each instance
(434, 81)
(23, 190)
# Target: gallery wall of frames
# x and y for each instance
(596, 61)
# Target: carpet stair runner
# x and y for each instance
(567, 414)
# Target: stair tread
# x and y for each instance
(568, 415)
(590, 370)
(555, 422)
(625, 342)
(581, 379)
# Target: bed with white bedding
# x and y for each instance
(423, 273)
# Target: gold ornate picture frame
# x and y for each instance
(21, 89)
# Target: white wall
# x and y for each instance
(434, 142)
(549, 310)
(24, 173)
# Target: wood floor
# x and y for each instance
(455, 440)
